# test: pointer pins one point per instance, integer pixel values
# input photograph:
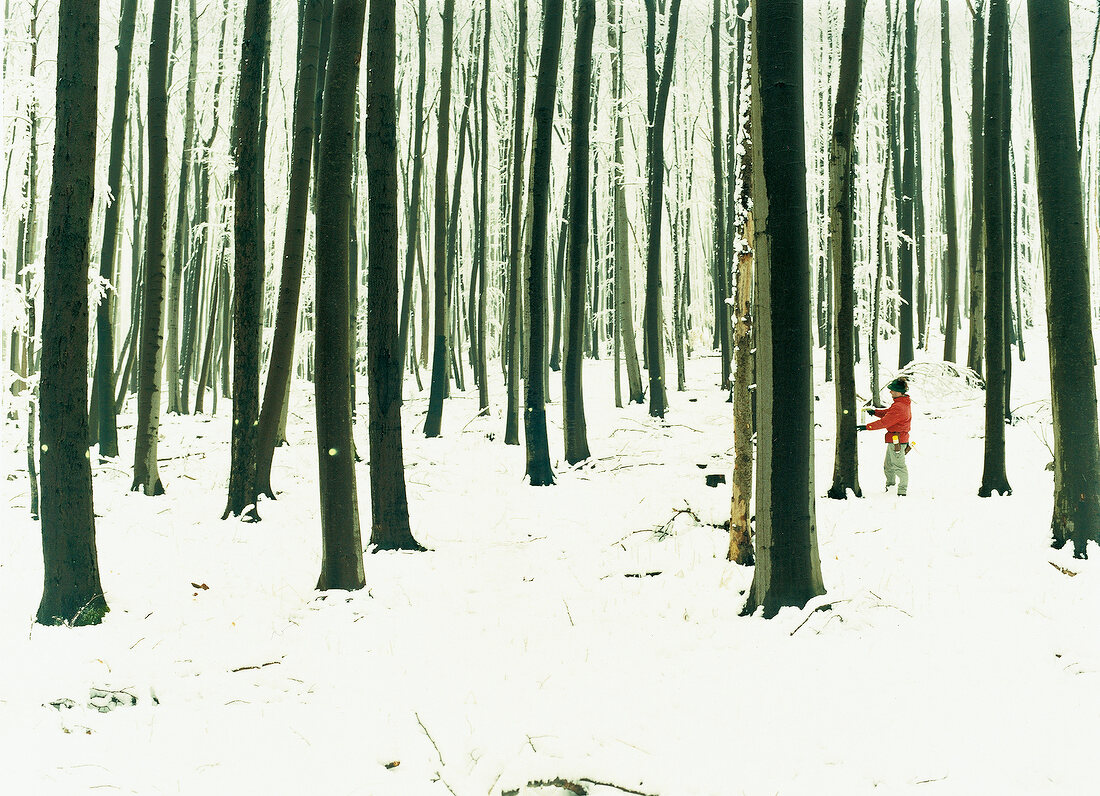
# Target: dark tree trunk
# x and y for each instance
(482, 226)
(412, 213)
(658, 107)
(105, 345)
(625, 306)
(538, 449)
(909, 188)
(150, 361)
(1076, 516)
(977, 200)
(440, 359)
(515, 251)
(182, 238)
(72, 593)
(788, 571)
(248, 262)
(342, 549)
(720, 262)
(389, 504)
(951, 253)
(281, 361)
(842, 249)
(576, 434)
(994, 477)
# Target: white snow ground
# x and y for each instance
(955, 658)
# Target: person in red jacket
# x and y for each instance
(895, 419)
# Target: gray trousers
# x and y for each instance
(895, 468)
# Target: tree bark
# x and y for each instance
(658, 107)
(433, 421)
(994, 477)
(482, 222)
(105, 408)
(720, 262)
(515, 250)
(72, 593)
(182, 239)
(977, 201)
(248, 263)
(951, 253)
(342, 549)
(389, 505)
(909, 188)
(539, 472)
(842, 250)
(621, 233)
(788, 570)
(576, 434)
(412, 212)
(1076, 515)
(150, 362)
(281, 361)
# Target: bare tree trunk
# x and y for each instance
(842, 249)
(389, 505)
(433, 421)
(625, 308)
(342, 548)
(108, 433)
(977, 200)
(576, 434)
(1076, 515)
(72, 593)
(788, 569)
(994, 477)
(658, 106)
(248, 262)
(281, 361)
(150, 361)
(539, 472)
(951, 253)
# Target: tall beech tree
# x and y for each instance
(1076, 515)
(720, 264)
(105, 344)
(842, 249)
(71, 593)
(657, 88)
(976, 312)
(994, 476)
(433, 421)
(538, 450)
(788, 570)
(576, 434)
(510, 331)
(906, 200)
(248, 261)
(281, 362)
(480, 332)
(624, 304)
(150, 361)
(389, 504)
(951, 250)
(412, 211)
(342, 548)
(182, 236)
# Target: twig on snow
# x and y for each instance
(1067, 572)
(821, 607)
(613, 786)
(430, 738)
(262, 665)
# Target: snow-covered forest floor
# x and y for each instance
(587, 632)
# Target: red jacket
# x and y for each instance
(895, 419)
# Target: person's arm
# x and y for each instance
(888, 417)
